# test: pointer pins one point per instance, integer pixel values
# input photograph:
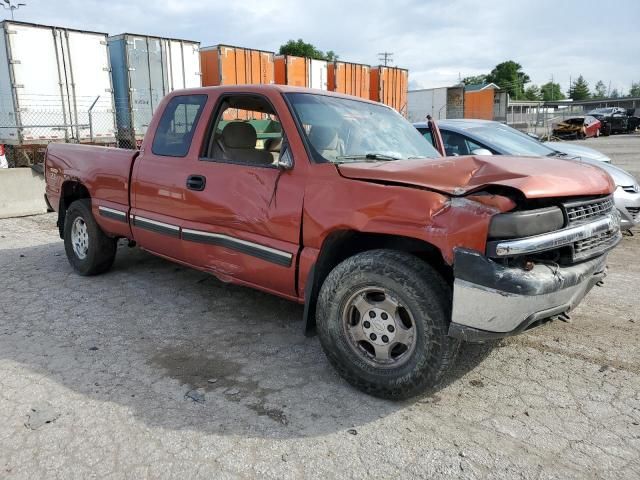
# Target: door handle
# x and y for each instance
(196, 182)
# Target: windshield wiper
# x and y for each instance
(367, 156)
(555, 153)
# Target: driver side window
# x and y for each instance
(247, 131)
(454, 144)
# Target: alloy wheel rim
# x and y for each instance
(379, 328)
(80, 238)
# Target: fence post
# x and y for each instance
(90, 112)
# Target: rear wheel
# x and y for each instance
(597, 133)
(89, 250)
(383, 318)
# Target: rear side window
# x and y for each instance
(177, 124)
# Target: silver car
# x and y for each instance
(484, 137)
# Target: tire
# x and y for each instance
(93, 252)
(597, 133)
(607, 131)
(423, 301)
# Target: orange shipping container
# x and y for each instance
(227, 65)
(350, 78)
(390, 85)
(300, 72)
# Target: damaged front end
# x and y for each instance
(539, 264)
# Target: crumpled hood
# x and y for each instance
(535, 177)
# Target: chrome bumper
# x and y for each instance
(494, 301)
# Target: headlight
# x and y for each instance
(526, 223)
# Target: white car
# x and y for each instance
(485, 137)
(578, 151)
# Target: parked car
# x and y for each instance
(633, 119)
(465, 137)
(576, 150)
(583, 126)
(396, 253)
(613, 119)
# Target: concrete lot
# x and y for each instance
(94, 373)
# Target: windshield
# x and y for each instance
(344, 130)
(511, 141)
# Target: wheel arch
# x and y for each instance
(342, 244)
(70, 191)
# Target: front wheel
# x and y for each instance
(89, 250)
(383, 318)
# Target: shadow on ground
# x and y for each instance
(178, 348)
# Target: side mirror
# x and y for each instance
(481, 151)
(285, 162)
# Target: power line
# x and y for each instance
(385, 57)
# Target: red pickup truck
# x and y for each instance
(339, 203)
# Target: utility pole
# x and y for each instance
(8, 5)
(385, 57)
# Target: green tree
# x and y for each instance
(510, 77)
(635, 89)
(551, 91)
(600, 90)
(331, 56)
(615, 93)
(579, 89)
(532, 93)
(475, 80)
(300, 48)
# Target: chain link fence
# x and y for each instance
(25, 131)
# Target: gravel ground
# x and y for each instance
(157, 371)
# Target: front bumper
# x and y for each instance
(628, 204)
(491, 300)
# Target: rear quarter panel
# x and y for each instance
(103, 171)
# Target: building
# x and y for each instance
(485, 101)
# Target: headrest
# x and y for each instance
(239, 135)
(323, 138)
(273, 144)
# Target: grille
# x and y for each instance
(592, 245)
(580, 212)
(630, 189)
(635, 213)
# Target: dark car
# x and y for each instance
(613, 119)
(633, 119)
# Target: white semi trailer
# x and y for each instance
(55, 85)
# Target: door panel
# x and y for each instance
(245, 224)
(157, 198)
(159, 177)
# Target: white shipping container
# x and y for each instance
(55, 85)
(318, 74)
(440, 103)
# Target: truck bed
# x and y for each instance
(102, 170)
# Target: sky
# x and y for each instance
(438, 41)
